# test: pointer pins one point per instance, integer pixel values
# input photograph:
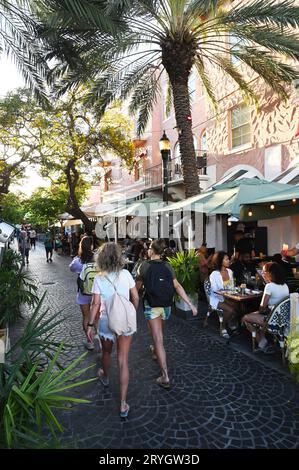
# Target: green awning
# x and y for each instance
(285, 203)
(227, 198)
(140, 208)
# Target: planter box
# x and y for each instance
(182, 310)
(4, 344)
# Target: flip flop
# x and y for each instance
(165, 385)
(124, 414)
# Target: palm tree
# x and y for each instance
(18, 33)
(176, 36)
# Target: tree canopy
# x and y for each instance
(123, 48)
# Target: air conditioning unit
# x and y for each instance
(6, 231)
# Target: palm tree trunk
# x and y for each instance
(182, 112)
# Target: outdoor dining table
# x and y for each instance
(238, 297)
(241, 299)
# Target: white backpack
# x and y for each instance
(121, 313)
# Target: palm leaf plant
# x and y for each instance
(176, 36)
(32, 388)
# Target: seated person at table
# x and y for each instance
(242, 267)
(220, 278)
(275, 290)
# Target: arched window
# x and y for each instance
(203, 142)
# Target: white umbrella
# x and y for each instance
(69, 223)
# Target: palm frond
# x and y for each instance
(266, 12)
(199, 64)
(227, 66)
(274, 72)
(144, 97)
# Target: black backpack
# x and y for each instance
(158, 283)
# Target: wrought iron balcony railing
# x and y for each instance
(153, 175)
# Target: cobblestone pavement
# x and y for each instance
(222, 397)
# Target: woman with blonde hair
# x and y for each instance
(112, 277)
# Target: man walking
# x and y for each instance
(49, 245)
(24, 246)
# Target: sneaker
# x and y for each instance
(259, 350)
(51, 260)
(269, 349)
(47, 261)
(224, 334)
(88, 345)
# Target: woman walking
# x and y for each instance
(112, 277)
(160, 285)
(85, 255)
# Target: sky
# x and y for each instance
(10, 78)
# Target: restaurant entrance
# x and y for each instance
(258, 235)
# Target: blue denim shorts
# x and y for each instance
(104, 331)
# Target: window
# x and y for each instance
(203, 142)
(192, 86)
(234, 43)
(240, 125)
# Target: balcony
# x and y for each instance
(153, 175)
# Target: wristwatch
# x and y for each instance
(90, 324)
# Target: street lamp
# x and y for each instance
(164, 144)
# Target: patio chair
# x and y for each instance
(277, 324)
(218, 311)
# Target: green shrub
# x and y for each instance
(185, 265)
(16, 288)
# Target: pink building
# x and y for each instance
(237, 141)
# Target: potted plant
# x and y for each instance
(185, 265)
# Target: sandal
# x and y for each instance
(224, 334)
(124, 414)
(103, 379)
(165, 385)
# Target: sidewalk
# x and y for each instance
(221, 397)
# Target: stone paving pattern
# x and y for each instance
(221, 396)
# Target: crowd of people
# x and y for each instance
(138, 274)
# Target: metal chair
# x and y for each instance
(277, 324)
(218, 311)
